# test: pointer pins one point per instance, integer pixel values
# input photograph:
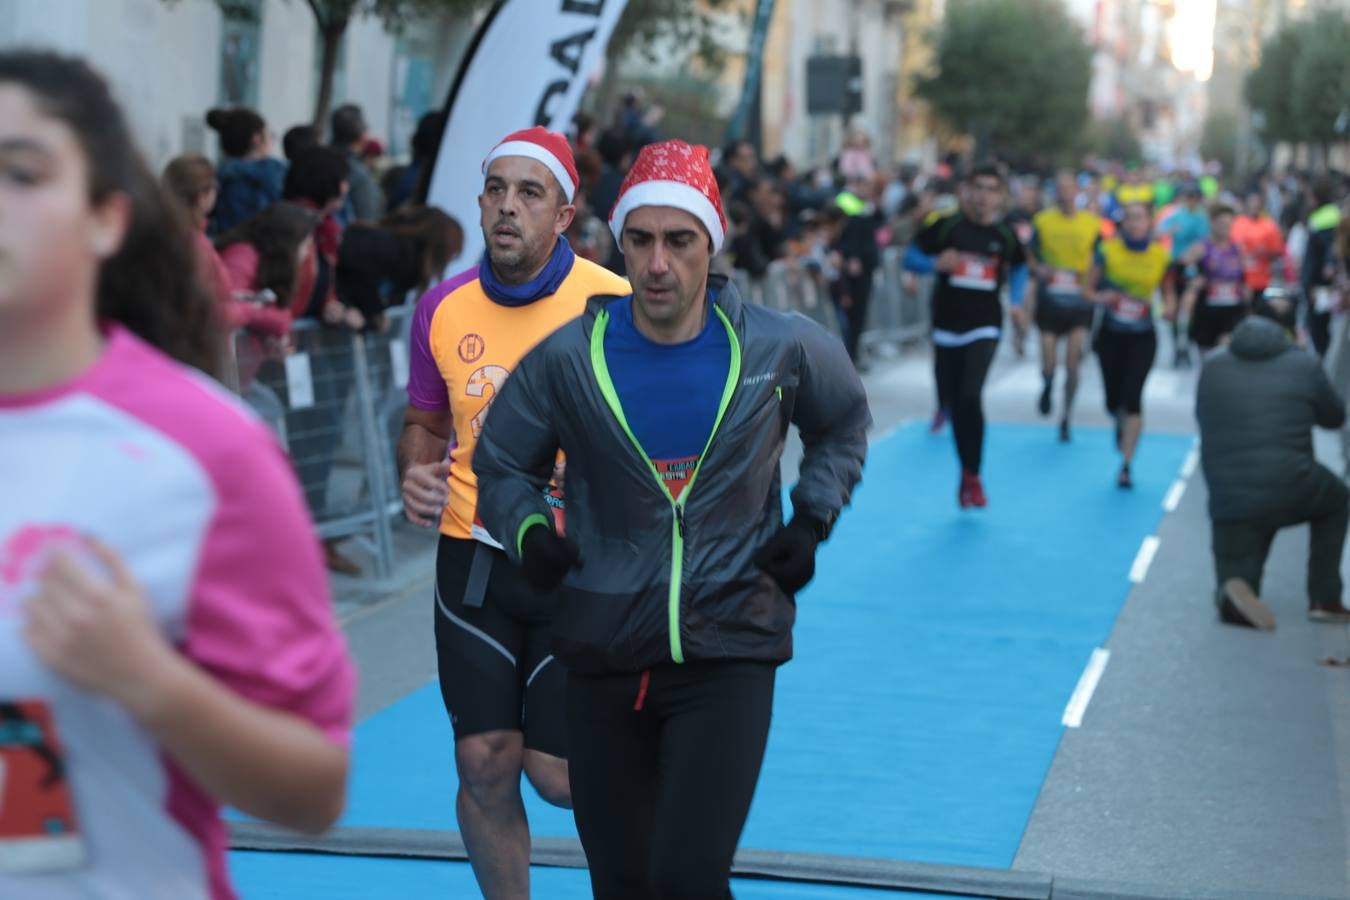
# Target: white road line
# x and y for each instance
(1144, 558)
(1173, 498)
(1087, 686)
(1192, 460)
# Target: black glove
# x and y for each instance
(789, 557)
(545, 558)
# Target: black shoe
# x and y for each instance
(1064, 437)
(1123, 480)
(1239, 605)
(1044, 404)
(1230, 615)
(1336, 615)
(1182, 359)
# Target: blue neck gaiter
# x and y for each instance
(1136, 246)
(542, 285)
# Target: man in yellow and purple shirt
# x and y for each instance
(501, 686)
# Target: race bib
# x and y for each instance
(1065, 283)
(676, 473)
(975, 272)
(38, 831)
(1223, 293)
(1128, 309)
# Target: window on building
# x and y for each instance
(414, 80)
(240, 38)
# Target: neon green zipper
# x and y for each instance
(611, 396)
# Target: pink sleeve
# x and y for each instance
(241, 265)
(426, 386)
(261, 619)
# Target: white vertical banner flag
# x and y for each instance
(528, 65)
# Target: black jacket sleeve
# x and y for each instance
(515, 453)
(832, 415)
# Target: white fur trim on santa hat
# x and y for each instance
(668, 193)
(533, 151)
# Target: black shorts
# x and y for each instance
(1175, 276)
(1209, 323)
(1125, 359)
(496, 666)
(1052, 318)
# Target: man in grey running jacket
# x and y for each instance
(677, 574)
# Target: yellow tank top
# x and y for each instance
(476, 343)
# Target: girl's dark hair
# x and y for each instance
(151, 284)
(379, 263)
(316, 175)
(986, 170)
(436, 237)
(298, 139)
(237, 127)
(188, 178)
(276, 233)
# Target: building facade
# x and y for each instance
(170, 62)
(869, 29)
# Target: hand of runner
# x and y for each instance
(546, 558)
(98, 631)
(425, 493)
(947, 260)
(333, 313)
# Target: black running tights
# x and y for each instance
(960, 373)
(662, 771)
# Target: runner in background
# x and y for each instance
(1019, 218)
(501, 686)
(974, 254)
(1262, 244)
(1134, 189)
(167, 640)
(1215, 300)
(1186, 228)
(1100, 203)
(1062, 244)
(1319, 264)
(1127, 272)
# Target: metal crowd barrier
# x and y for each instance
(335, 398)
(894, 316)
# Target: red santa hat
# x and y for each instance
(542, 145)
(672, 173)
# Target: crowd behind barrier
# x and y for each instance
(335, 397)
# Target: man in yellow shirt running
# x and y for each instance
(501, 686)
(1062, 241)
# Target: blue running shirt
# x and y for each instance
(670, 392)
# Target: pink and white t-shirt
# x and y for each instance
(199, 501)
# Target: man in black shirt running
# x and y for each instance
(974, 255)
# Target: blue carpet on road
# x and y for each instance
(935, 652)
